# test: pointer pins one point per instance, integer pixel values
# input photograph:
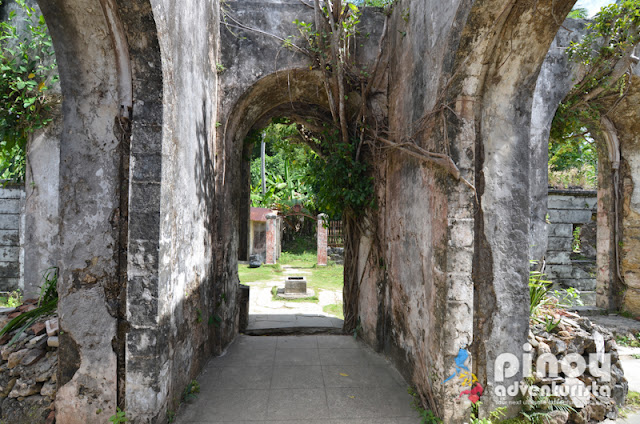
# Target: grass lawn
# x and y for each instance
(335, 310)
(328, 277)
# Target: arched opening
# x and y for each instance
(296, 97)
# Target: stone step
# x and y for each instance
(588, 311)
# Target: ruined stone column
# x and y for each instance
(272, 247)
(323, 235)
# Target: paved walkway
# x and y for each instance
(298, 380)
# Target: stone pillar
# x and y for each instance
(323, 235)
(272, 246)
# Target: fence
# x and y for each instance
(336, 237)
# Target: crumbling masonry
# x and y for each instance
(150, 187)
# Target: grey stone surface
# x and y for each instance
(554, 82)
(371, 391)
(12, 239)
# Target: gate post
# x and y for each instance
(271, 254)
(322, 239)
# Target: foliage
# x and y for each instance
(27, 66)
(543, 299)
(119, 417)
(47, 303)
(606, 54)
(13, 300)
(575, 243)
(628, 341)
(578, 13)
(538, 291)
(426, 416)
(286, 168)
(328, 277)
(585, 177)
(335, 309)
(493, 418)
(191, 391)
(567, 298)
(570, 153)
(342, 183)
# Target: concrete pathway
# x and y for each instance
(300, 380)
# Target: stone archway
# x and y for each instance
(453, 265)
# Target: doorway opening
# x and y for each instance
(294, 249)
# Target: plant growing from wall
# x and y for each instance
(27, 67)
(607, 54)
(119, 417)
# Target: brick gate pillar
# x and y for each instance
(323, 231)
(272, 248)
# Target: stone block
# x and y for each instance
(558, 258)
(295, 285)
(146, 167)
(570, 216)
(571, 202)
(560, 230)
(9, 238)
(38, 328)
(53, 341)
(10, 222)
(588, 298)
(578, 284)
(10, 206)
(52, 327)
(24, 388)
(560, 243)
(32, 357)
(11, 193)
(554, 272)
(142, 226)
(15, 358)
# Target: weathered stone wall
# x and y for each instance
(11, 238)
(557, 77)
(626, 124)
(567, 210)
(416, 303)
(136, 167)
(149, 230)
(41, 212)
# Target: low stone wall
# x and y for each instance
(336, 254)
(11, 260)
(568, 210)
(28, 371)
(578, 339)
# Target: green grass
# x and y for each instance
(328, 277)
(335, 310)
(632, 404)
(310, 299)
(263, 273)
